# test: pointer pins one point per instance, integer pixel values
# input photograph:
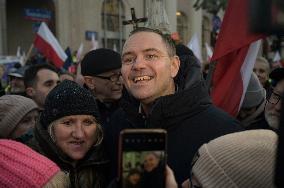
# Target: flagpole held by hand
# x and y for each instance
(28, 54)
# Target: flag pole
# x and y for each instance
(28, 54)
(209, 77)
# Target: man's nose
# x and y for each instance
(139, 62)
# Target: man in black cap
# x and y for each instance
(101, 71)
(273, 105)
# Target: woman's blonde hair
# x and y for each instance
(59, 180)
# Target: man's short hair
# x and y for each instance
(30, 77)
(170, 45)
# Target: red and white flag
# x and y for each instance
(235, 53)
(48, 45)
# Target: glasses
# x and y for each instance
(130, 59)
(274, 98)
(113, 78)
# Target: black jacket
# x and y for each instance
(106, 111)
(91, 171)
(189, 118)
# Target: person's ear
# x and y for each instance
(89, 81)
(30, 91)
(175, 66)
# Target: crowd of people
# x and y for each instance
(66, 133)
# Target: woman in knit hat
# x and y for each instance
(18, 114)
(20, 166)
(69, 133)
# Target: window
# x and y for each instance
(182, 26)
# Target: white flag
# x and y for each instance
(195, 47)
(94, 43)
(208, 51)
(18, 51)
(79, 52)
(114, 47)
(277, 57)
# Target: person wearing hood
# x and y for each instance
(149, 66)
(252, 109)
(69, 133)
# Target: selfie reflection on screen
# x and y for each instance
(143, 169)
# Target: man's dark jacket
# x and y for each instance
(189, 118)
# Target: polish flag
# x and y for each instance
(235, 53)
(48, 45)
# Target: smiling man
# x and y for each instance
(149, 65)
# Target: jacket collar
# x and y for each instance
(167, 110)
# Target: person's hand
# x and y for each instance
(185, 184)
(170, 178)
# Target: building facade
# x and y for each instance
(74, 22)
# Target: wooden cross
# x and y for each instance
(134, 20)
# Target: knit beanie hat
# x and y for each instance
(243, 159)
(99, 61)
(66, 99)
(20, 166)
(255, 93)
(12, 109)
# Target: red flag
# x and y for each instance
(235, 53)
(48, 45)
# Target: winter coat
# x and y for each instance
(106, 110)
(91, 171)
(257, 119)
(189, 118)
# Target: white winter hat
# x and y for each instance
(255, 93)
(243, 159)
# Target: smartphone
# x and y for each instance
(142, 158)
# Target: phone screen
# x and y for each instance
(143, 158)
